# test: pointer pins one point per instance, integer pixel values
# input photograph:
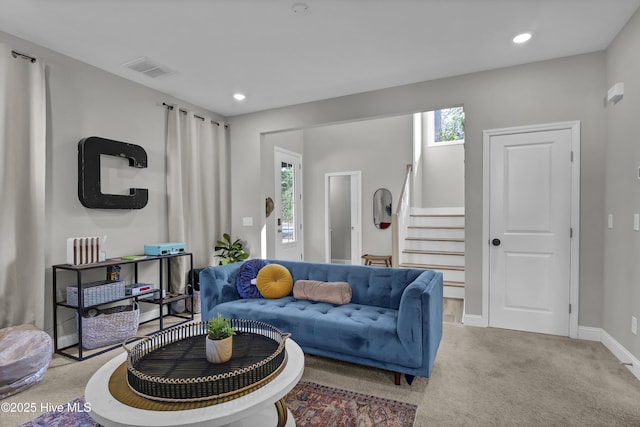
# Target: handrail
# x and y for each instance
(400, 218)
(405, 188)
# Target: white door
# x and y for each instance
(530, 231)
(343, 237)
(288, 205)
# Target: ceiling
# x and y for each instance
(279, 57)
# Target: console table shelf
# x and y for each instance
(160, 297)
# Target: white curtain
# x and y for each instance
(22, 189)
(197, 188)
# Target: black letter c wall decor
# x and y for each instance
(89, 189)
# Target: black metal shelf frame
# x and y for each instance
(160, 300)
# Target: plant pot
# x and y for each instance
(219, 351)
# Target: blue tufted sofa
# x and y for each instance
(393, 322)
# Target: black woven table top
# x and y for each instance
(186, 358)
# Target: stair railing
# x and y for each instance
(400, 219)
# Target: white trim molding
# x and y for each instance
(618, 350)
(624, 356)
(475, 320)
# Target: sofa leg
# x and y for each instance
(397, 378)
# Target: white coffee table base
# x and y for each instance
(256, 408)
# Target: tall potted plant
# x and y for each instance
(230, 252)
(219, 344)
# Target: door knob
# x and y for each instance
(495, 242)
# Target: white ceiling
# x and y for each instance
(339, 47)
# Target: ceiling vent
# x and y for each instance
(148, 67)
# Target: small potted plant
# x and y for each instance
(219, 346)
(230, 252)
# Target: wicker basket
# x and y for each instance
(111, 326)
(96, 293)
(193, 303)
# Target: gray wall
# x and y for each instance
(621, 293)
(545, 92)
(443, 176)
(380, 149)
(84, 101)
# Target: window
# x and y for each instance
(445, 127)
(287, 186)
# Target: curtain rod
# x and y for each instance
(170, 107)
(16, 54)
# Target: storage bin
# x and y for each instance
(110, 326)
(193, 304)
(95, 293)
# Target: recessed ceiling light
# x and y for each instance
(239, 96)
(521, 38)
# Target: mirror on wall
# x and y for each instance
(382, 208)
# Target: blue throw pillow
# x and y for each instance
(246, 279)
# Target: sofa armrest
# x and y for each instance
(420, 316)
(217, 285)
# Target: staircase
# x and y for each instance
(434, 240)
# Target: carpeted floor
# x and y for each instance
(481, 377)
(312, 405)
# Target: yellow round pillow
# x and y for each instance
(274, 281)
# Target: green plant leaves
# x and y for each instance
(219, 328)
(230, 252)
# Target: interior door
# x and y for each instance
(288, 205)
(530, 231)
(343, 217)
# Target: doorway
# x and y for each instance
(289, 241)
(343, 217)
(531, 227)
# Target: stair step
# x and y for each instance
(438, 215)
(433, 267)
(434, 239)
(423, 252)
(436, 227)
(454, 284)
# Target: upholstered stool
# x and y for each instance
(25, 353)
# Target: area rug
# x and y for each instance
(317, 405)
(311, 404)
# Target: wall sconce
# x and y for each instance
(615, 93)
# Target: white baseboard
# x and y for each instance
(340, 261)
(474, 320)
(589, 333)
(624, 356)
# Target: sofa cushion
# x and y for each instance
(246, 279)
(358, 330)
(316, 290)
(274, 281)
(381, 287)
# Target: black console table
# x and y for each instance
(160, 297)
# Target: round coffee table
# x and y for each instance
(264, 406)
